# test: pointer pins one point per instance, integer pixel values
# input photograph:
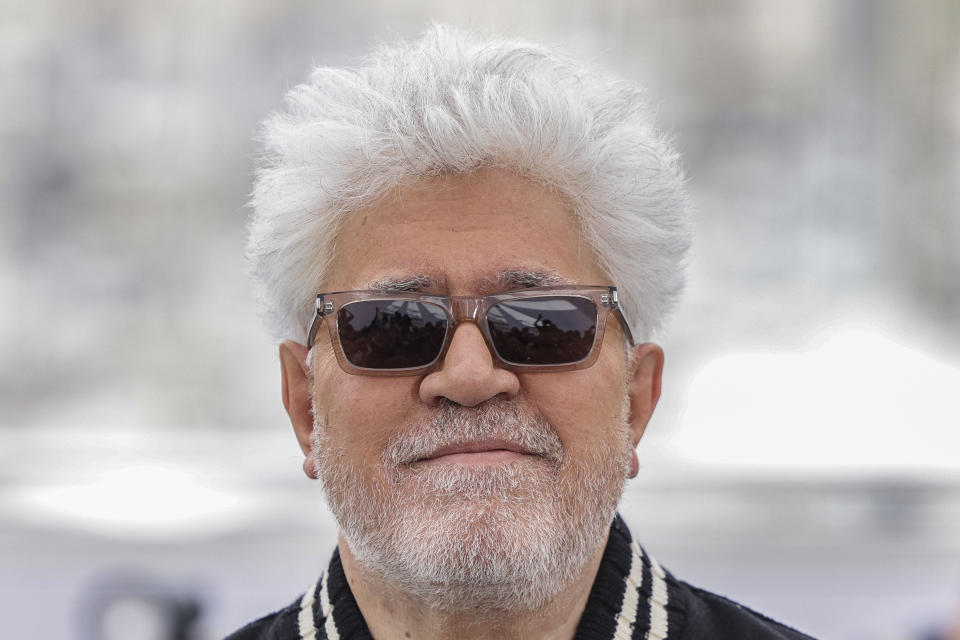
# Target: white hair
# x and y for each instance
(450, 103)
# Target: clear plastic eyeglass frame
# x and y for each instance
(460, 309)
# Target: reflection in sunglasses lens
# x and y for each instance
(543, 330)
(391, 334)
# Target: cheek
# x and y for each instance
(585, 406)
(362, 413)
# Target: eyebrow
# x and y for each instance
(523, 279)
(505, 280)
(412, 283)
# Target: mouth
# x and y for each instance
(482, 452)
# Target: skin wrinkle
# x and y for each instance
(506, 280)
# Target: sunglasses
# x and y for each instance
(395, 334)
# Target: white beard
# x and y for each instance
(507, 536)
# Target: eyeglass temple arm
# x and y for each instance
(615, 306)
(321, 310)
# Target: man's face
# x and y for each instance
(512, 473)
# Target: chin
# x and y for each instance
(507, 540)
(456, 537)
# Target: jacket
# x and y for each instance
(632, 597)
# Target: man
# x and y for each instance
(463, 247)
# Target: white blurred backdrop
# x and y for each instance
(805, 458)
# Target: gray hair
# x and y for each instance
(450, 103)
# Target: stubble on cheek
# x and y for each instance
(395, 482)
(507, 535)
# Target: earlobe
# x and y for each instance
(646, 362)
(297, 395)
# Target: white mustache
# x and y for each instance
(454, 425)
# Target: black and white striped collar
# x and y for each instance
(630, 596)
(629, 599)
(328, 610)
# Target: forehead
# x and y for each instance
(463, 234)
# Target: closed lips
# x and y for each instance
(486, 450)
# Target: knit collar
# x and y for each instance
(628, 599)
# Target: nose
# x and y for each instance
(468, 374)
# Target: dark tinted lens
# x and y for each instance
(391, 334)
(543, 330)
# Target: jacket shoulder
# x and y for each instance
(279, 625)
(712, 616)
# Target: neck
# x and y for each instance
(392, 614)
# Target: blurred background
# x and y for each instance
(805, 458)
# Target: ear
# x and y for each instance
(646, 366)
(297, 392)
